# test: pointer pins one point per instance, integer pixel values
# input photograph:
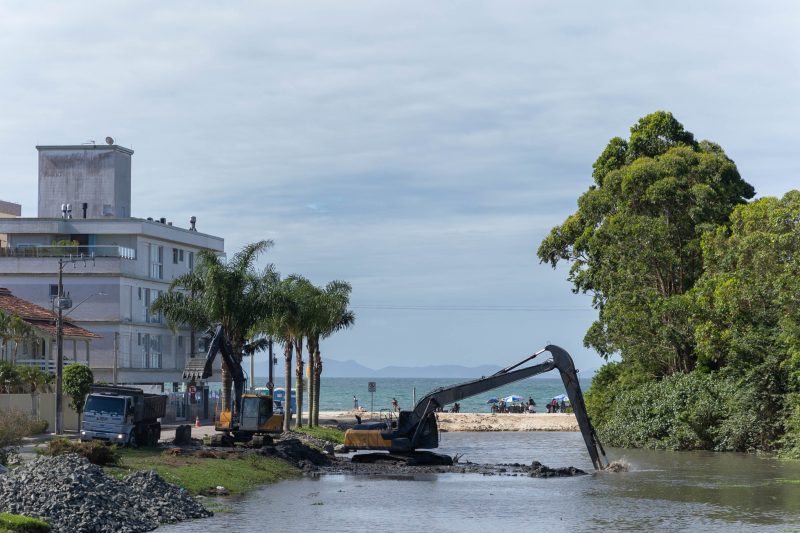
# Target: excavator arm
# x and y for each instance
(220, 344)
(418, 429)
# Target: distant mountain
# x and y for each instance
(351, 369)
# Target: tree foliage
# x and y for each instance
(634, 242)
(78, 380)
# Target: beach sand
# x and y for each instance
(478, 421)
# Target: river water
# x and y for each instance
(667, 491)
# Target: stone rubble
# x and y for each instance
(74, 495)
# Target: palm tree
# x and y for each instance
(304, 295)
(20, 331)
(35, 379)
(5, 330)
(331, 315)
(229, 293)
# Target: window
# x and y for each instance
(53, 291)
(156, 261)
(140, 294)
(180, 341)
(191, 261)
(175, 256)
(151, 350)
(150, 296)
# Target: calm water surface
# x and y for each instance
(668, 491)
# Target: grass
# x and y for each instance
(238, 473)
(16, 523)
(325, 433)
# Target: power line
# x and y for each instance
(491, 308)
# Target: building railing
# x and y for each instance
(44, 250)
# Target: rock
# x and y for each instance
(328, 449)
(183, 435)
(76, 496)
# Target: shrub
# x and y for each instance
(96, 452)
(14, 426)
(23, 524)
(38, 426)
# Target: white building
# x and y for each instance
(85, 208)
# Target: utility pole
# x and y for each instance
(62, 302)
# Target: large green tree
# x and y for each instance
(634, 242)
(746, 312)
(234, 294)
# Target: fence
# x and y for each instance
(42, 406)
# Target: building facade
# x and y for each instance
(85, 211)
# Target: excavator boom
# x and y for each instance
(417, 428)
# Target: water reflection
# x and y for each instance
(662, 491)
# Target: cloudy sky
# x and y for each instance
(419, 150)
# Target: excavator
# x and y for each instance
(250, 416)
(417, 429)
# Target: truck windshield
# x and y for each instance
(104, 404)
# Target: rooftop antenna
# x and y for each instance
(109, 141)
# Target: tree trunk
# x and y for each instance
(298, 347)
(287, 384)
(312, 383)
(317, 379)
(226, 387)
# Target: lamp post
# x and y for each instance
(62, 302)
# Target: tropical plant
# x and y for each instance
(20, 332)
(634, 242)
(5, 330)
(9, 376)
(77, 380)
(330, 315)
(233, 294)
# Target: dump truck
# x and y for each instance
(123, 415)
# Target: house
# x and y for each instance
(40, 349)
(124, 263)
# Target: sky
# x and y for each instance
(419, 150)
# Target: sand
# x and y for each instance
(479, 421)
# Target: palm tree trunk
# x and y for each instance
(298, 347)
(312, 383)
(317, 379)
(226, 387)
(287, 384)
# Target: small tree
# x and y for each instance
(77, 381)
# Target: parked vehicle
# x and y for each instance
(279, 396)
(123, 415)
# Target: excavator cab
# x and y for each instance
(258, 415)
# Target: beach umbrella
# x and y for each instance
(492, 400)
(512, 398)
(560, 398)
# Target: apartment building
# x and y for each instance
(84, 211)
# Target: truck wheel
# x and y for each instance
(132, 442)
(152, 440)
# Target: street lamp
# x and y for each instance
(62, 302)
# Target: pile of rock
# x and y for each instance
(74, 495)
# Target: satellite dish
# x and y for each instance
(109, 140)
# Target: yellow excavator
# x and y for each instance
(417, 429)
(250, 417)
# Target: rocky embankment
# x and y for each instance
(74, 495)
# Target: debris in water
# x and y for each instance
(617, 466)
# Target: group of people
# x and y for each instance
(526, 407)
(557, 407)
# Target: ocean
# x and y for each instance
(337, 393)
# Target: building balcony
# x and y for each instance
(39, 251)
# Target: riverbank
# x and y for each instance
(449, 422)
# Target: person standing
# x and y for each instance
(355, 403)
(395, 405)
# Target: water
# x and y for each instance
(666, 491)
(337, 394)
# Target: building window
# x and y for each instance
(150, 296)
(153, 358)
(191, 261)
(156, 261)
(175, 256)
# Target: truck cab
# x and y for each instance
(107, 418)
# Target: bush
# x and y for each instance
(39, 426)
(14, 426)
(688, 412)
(96, 452)
(23, 524)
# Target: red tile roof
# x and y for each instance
(39, 317)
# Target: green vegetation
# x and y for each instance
(78, 381)
(696, 292)
(324, 433)
(23, 524)
(14, 426)
(96, 452)
(237, 472)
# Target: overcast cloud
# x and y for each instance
(419, 150)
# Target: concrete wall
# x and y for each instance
(100, 176)
(41, 405)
